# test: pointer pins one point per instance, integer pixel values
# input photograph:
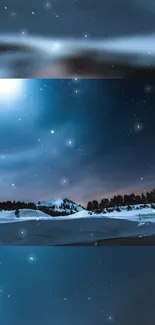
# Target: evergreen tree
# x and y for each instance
(17, 213)
(95, 205)
(129, 208)
(89, 206)
(143, 198)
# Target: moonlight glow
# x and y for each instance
(10, 89)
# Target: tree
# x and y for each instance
(148, 197)
(153, 195)
(104, 204)
(89, 206)
(138, 199)
(17, 213)
(112, 202)
(92, 205)
(129, 208)
(119, 200)
(95, 205)
(143, 198)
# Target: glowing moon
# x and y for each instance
(10, 88)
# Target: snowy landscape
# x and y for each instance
(35, 227)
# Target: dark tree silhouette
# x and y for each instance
(129, 208)
(126, 200)
(104, 204)
(17, 213)
(90, 206)
(143, 198)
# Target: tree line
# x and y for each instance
(122, 200)
(13, 205)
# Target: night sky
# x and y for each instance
(112, 285)
(76, 139)
(77, 18)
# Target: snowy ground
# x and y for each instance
(37, 228)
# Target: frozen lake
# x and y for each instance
(59, 231)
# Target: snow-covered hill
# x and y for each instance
(136, 208)
(136, 213)
(24, 215)
(61, 206)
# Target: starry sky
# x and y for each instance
(77, 18)
(79, 139)
(101, 285)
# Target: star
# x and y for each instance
(56, 15)
(110, 318)
(31, 258)
(52, 131)
(138, 127)
(47, 5)
(70, 143)
(148, 88)
(64, 181)
(22, 232)
(24, 32)
(13, 14)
